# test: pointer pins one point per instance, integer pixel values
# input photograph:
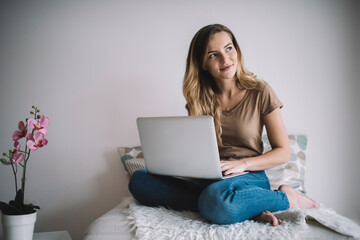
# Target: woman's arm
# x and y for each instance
(279, 154)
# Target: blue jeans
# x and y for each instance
(225, 201)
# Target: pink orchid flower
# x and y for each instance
(17, 145)
(16, 156)
(39, 124)
(36, 141)
(18, 134)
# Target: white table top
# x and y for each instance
(58, 235)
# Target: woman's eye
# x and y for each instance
(212, 55)
(229, 49)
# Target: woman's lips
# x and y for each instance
(225, 68)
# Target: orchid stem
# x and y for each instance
(23, 179)
(15, 173)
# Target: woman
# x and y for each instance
(216, 83)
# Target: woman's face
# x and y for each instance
(221, 57)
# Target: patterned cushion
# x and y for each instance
(290, 173)
(132, 158)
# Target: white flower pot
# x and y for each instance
(18, 227)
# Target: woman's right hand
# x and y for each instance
(232, 166)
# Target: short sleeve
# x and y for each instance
(269, 101)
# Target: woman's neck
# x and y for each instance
(229, 94)
(227, 89)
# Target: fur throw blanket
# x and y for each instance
(160, 224)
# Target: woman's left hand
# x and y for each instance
(233, 166)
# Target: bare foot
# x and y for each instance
(267, 216)
(296, 199)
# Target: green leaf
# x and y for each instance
(8, 209)
(29, 208)
(19, 207)
(16, 208)
(19, 198)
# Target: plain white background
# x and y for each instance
(94, 66)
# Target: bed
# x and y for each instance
(130, 220)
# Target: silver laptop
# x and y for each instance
(181, 146)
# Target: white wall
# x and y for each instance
(94, 66)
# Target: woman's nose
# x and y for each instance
(223, 58)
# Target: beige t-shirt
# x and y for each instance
(242, 126)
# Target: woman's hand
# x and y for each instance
(279, 154)
(233, 166)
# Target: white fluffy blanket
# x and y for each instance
(160, 224)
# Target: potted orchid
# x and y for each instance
(17, 158)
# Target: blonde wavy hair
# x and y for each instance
(199, 87)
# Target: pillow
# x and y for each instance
(132, 158)
(291, 173)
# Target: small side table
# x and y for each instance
(58, 235)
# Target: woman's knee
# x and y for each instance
(136, 180)
(218, 207)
